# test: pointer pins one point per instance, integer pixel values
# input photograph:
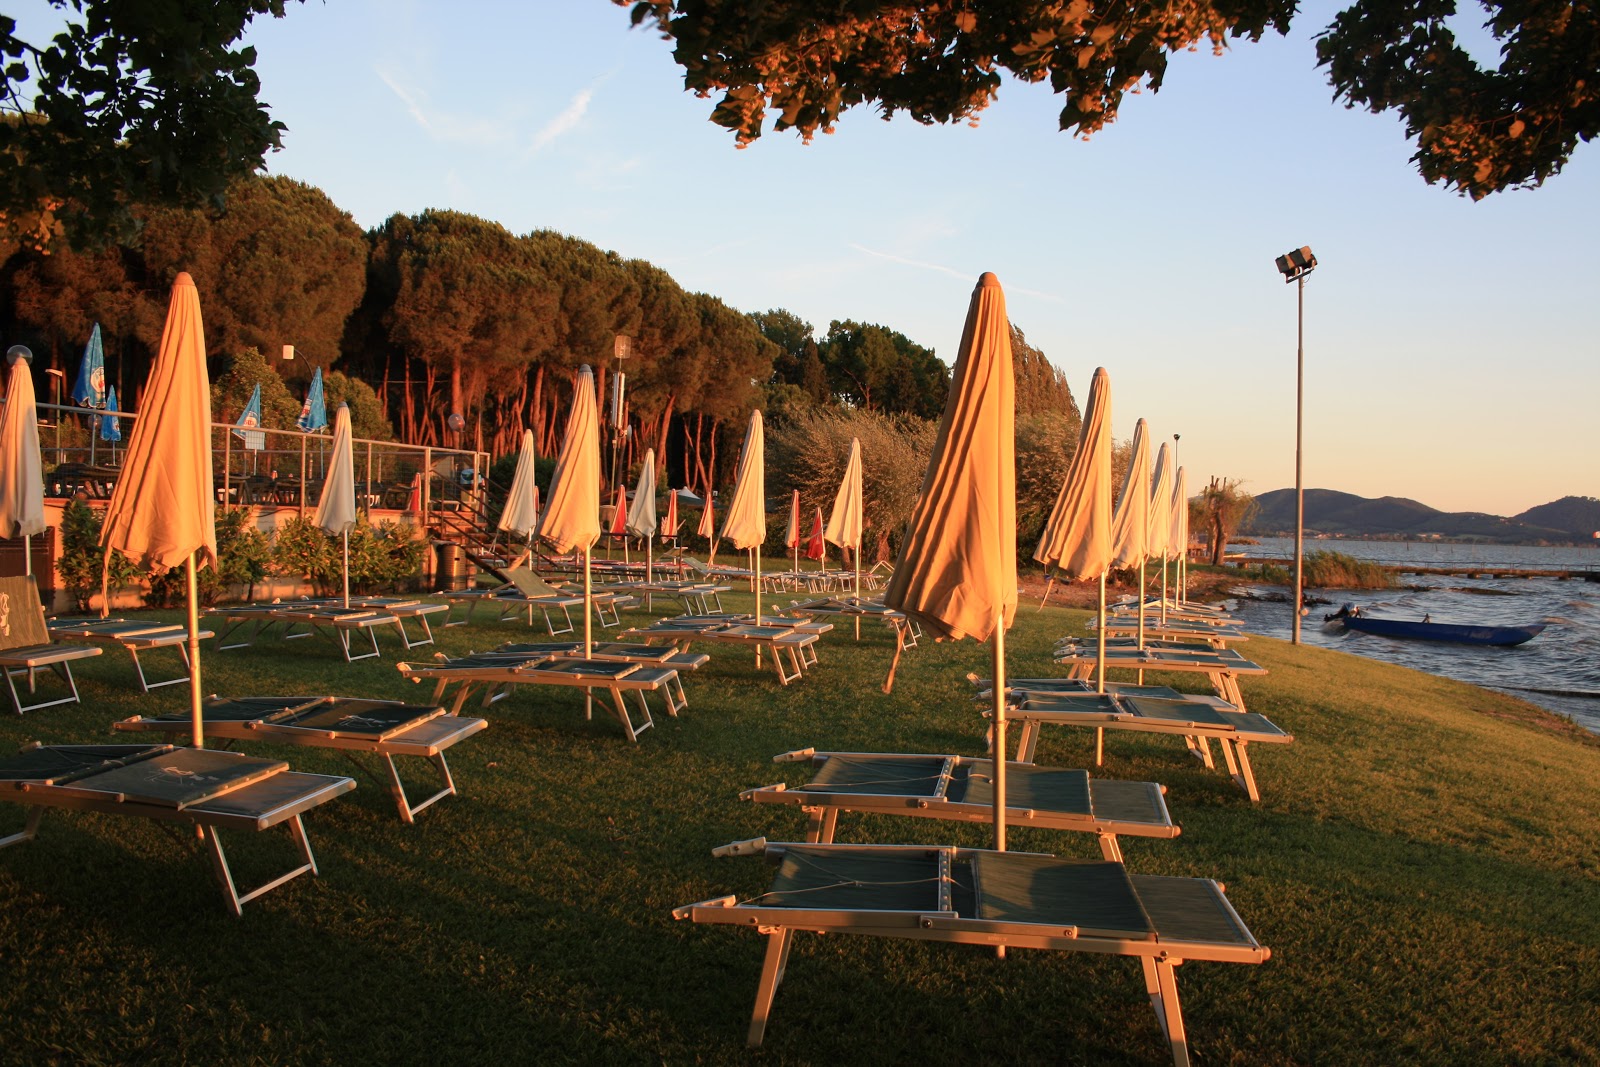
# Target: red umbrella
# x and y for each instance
(669, 528)
(816, 547)
(619, 521)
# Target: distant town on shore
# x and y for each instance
(1570, 520)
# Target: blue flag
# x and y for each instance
(249, 418)
(90, 392)
(314, 412)
(109, 430)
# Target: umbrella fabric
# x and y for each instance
(1161, 504)
(845, 521)
(21, 467)
(163, 509)
(669, 528)
(336, 511)
(314, 412)
(1179, 540)
(250, 417)
(708, 520)
(791, 536)
(521, 513)
(957, 571)
(571, 518)
(109, 429)
(816, 544)
(746, 521)
(642, 512)
(90, 390)
(1077, 536)
(619, 514)
(1130, 524)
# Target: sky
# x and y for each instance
(1451, 349)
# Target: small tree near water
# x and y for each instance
(1220, 510)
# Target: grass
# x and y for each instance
(1425, 865)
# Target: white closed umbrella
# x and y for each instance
(21, 466)
(521, 513)
(746, 521)
(846, 520)
(163, 509)
(1130, 523)
(1161, 517)
(336, 510)
(642, 512)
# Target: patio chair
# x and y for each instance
(26, 645)
(203, 788)
(989, 899)
(349, 725)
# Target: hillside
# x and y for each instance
(1578, 515)
(1347, 515)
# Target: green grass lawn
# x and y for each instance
(1424, 865)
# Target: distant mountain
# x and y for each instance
(1348, 515)
(1578, 515)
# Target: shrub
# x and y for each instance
(382, 558)
(82, 557)
(1326, 569)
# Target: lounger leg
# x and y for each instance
(219, 862)
(29, 829)
(1099, 746)
(772, 968)
(1246, 776)
(677, 699)
(1162, 984)
(408, 811)
(1110, 848)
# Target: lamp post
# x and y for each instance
(1294, 266)
(58, 380)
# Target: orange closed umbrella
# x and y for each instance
(163, 511)
(746, 522)
(571, 519)
(791, 536)
(817, 544)
(957, 571)
(846, 520)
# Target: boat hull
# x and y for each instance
(1443, 631)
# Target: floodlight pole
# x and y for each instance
(1294, 266)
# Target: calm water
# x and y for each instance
(1558, 670)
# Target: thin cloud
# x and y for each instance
(939, 268)
(562, 123)
(441, 126)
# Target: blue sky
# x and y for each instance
(1451, 347)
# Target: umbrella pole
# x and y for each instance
(198, 736)
(1050, 583)
(1163, 590)
(858, 589)
(347, 568)
(588, 635)
(1100, 672)
(27, 555)
(1141, 616)
(999, 671)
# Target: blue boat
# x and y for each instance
(1351, 618)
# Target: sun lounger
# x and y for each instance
(907, 632)
(386, 728)
(1196, 721)
(498, 677)
(1210, 633)
(791, 649)
(206, 789)
(697, 597)
(958, 788)
(26, 645)
(990, 899)
(338, 624)
(525, 591)
(1222, 666)
(136, 637)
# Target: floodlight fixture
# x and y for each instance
(1294, 264)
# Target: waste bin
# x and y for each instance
(447, 564)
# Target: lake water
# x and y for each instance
(1558, 670)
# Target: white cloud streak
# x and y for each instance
(565, 122)
(939, 268)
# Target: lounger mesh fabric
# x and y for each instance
(809, 878)
(183, 777)
(865, 774)
(1051, 789)
(1017, 887)
(1188, 909)
(60, 763)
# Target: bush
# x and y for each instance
(82, 557)
(382, 558)
(1334, 570)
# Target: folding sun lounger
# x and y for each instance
(1213, 634)
(203, 788)
(960, 789)
(26, 645)
(1221, 666)
(498, 675)
(387, 728)
(791, 648)
(977, 897)
(134, 636)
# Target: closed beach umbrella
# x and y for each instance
(746, 522)
(336, 511)
(642, 512)
(1161, 517)
(571, 518)
(1180, 527)
(109, 429)
(1077, 536)
(1130, 523)
(708, 524)
(957, 571)
(21, 466)
(90, 389)
(817, 544)
(163, 509)
(791, 535)
(521, 513)
(669, 526)
(314, 412)
(845, 521)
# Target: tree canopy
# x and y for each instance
(131, 103)
(1477, 130)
